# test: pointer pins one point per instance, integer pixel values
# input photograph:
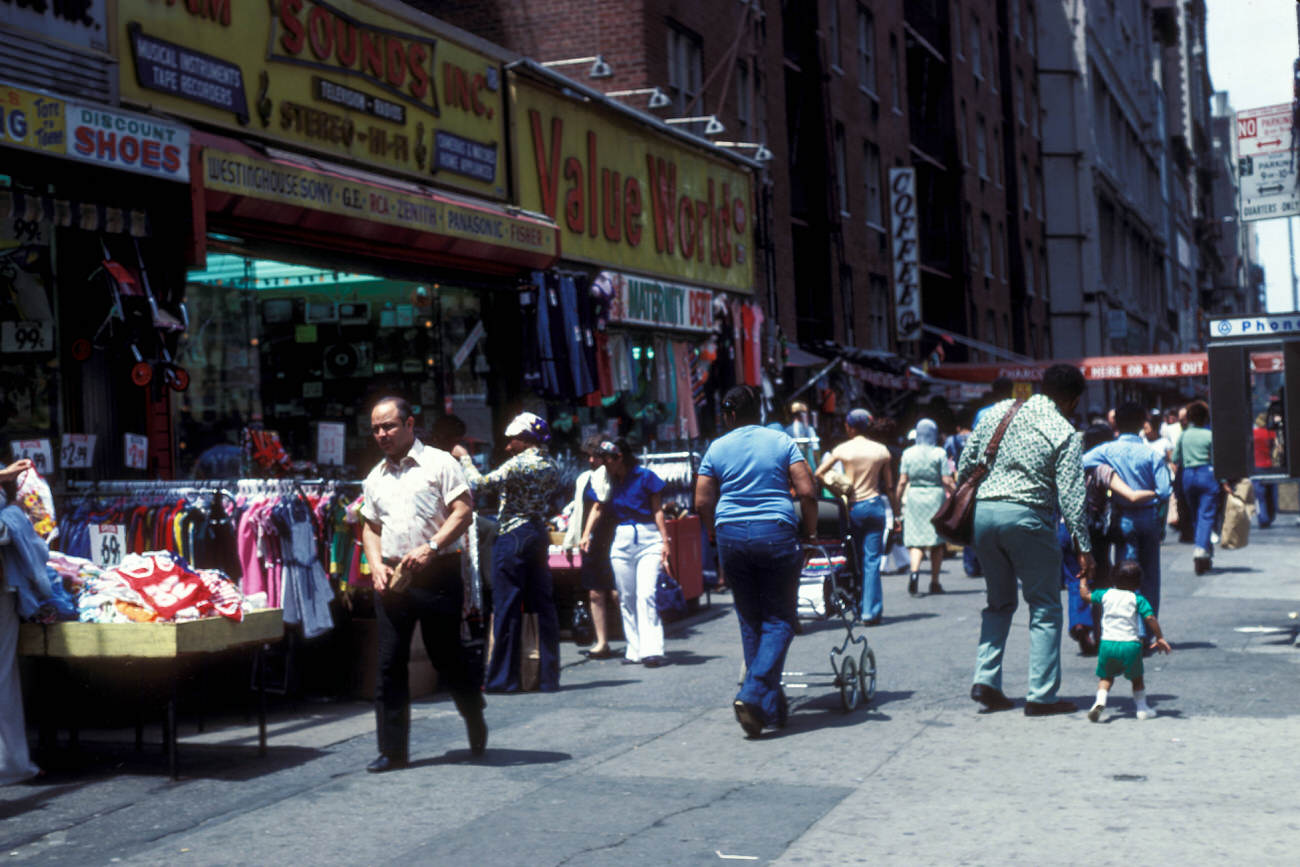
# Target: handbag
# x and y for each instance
(669, 599)
(955, 520)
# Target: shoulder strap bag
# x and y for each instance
(955, 520)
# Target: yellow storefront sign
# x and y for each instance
(346, 80)
(288, 184)
(628, 197)
(33, 121)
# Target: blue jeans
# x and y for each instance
(1202, 491)
(1018, 543)
(1140, 530)
(521, 578)
(1078, 611)
(761, 560)
(867, 520)
(970, 563)
(1266, 500)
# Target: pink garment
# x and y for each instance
(254, 580)
(754, 345)
(688, 423)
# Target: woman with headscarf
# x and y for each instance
(521, 574)
(866, 463)
(923, 481)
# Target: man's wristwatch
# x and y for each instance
(433, 546)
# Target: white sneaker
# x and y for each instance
(1145, 713)
(1095, 713)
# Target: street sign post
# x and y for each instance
(1266, 166)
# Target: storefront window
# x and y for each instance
(287, 347)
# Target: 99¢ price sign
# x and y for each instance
(30, 336)
(137, 451)
(77, 451)
(39, 452)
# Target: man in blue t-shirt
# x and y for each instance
(743, 497)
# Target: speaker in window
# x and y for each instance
(347, 360)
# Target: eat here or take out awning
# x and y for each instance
(293, 197)
(1186, 364)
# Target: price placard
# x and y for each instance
(329, 443)
(36, 335)
(137, 451)
(77, 451)
(39, 452)
(107, 544)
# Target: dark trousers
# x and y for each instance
(435, 604)
(521, 579)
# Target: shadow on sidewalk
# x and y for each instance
(206, 761)
(495, 758)
(823, 710)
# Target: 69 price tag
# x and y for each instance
(107, 544)
(29, 336)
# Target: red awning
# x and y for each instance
(293, 197)
(1107, 367)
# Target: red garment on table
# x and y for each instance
(166, 585)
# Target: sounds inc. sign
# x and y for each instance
(342, 79)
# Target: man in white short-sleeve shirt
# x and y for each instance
(417, 507)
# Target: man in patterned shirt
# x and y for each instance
(1039, 469)
(524, 485)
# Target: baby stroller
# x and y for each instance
(830, 584)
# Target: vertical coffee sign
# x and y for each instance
(905, 234)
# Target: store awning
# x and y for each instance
(1186, 364)
(294, 197)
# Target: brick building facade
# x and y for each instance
(840, 91)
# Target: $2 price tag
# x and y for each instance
(77, 451)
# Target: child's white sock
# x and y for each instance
(1098, 706)
(1144, 710)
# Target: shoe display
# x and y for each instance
(1095, 713)
(1049, 708)
(385, 763)
(991, 697)
(749, 717)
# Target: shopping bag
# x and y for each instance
(530, 654)
(1236, 523)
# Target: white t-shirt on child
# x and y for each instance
(1121, 613)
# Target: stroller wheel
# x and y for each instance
(850, 684)
(81, 349)
(867, 674)
(142, 373)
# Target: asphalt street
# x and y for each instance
(627, 765)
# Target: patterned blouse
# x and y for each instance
(1040, 462)
(524, 485)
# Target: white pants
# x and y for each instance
(15, 763)
(635, 556)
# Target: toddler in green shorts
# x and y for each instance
(1123, 609)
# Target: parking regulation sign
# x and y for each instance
(1266, 164)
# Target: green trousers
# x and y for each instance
(1018, 543)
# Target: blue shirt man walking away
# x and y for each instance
(1140, 468)
(742, 495)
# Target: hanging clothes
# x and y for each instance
(620, 362)
(687, 420)
(582, 381)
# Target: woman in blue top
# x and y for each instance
(640, 546)
(743, 498)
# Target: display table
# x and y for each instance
(172, 645)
